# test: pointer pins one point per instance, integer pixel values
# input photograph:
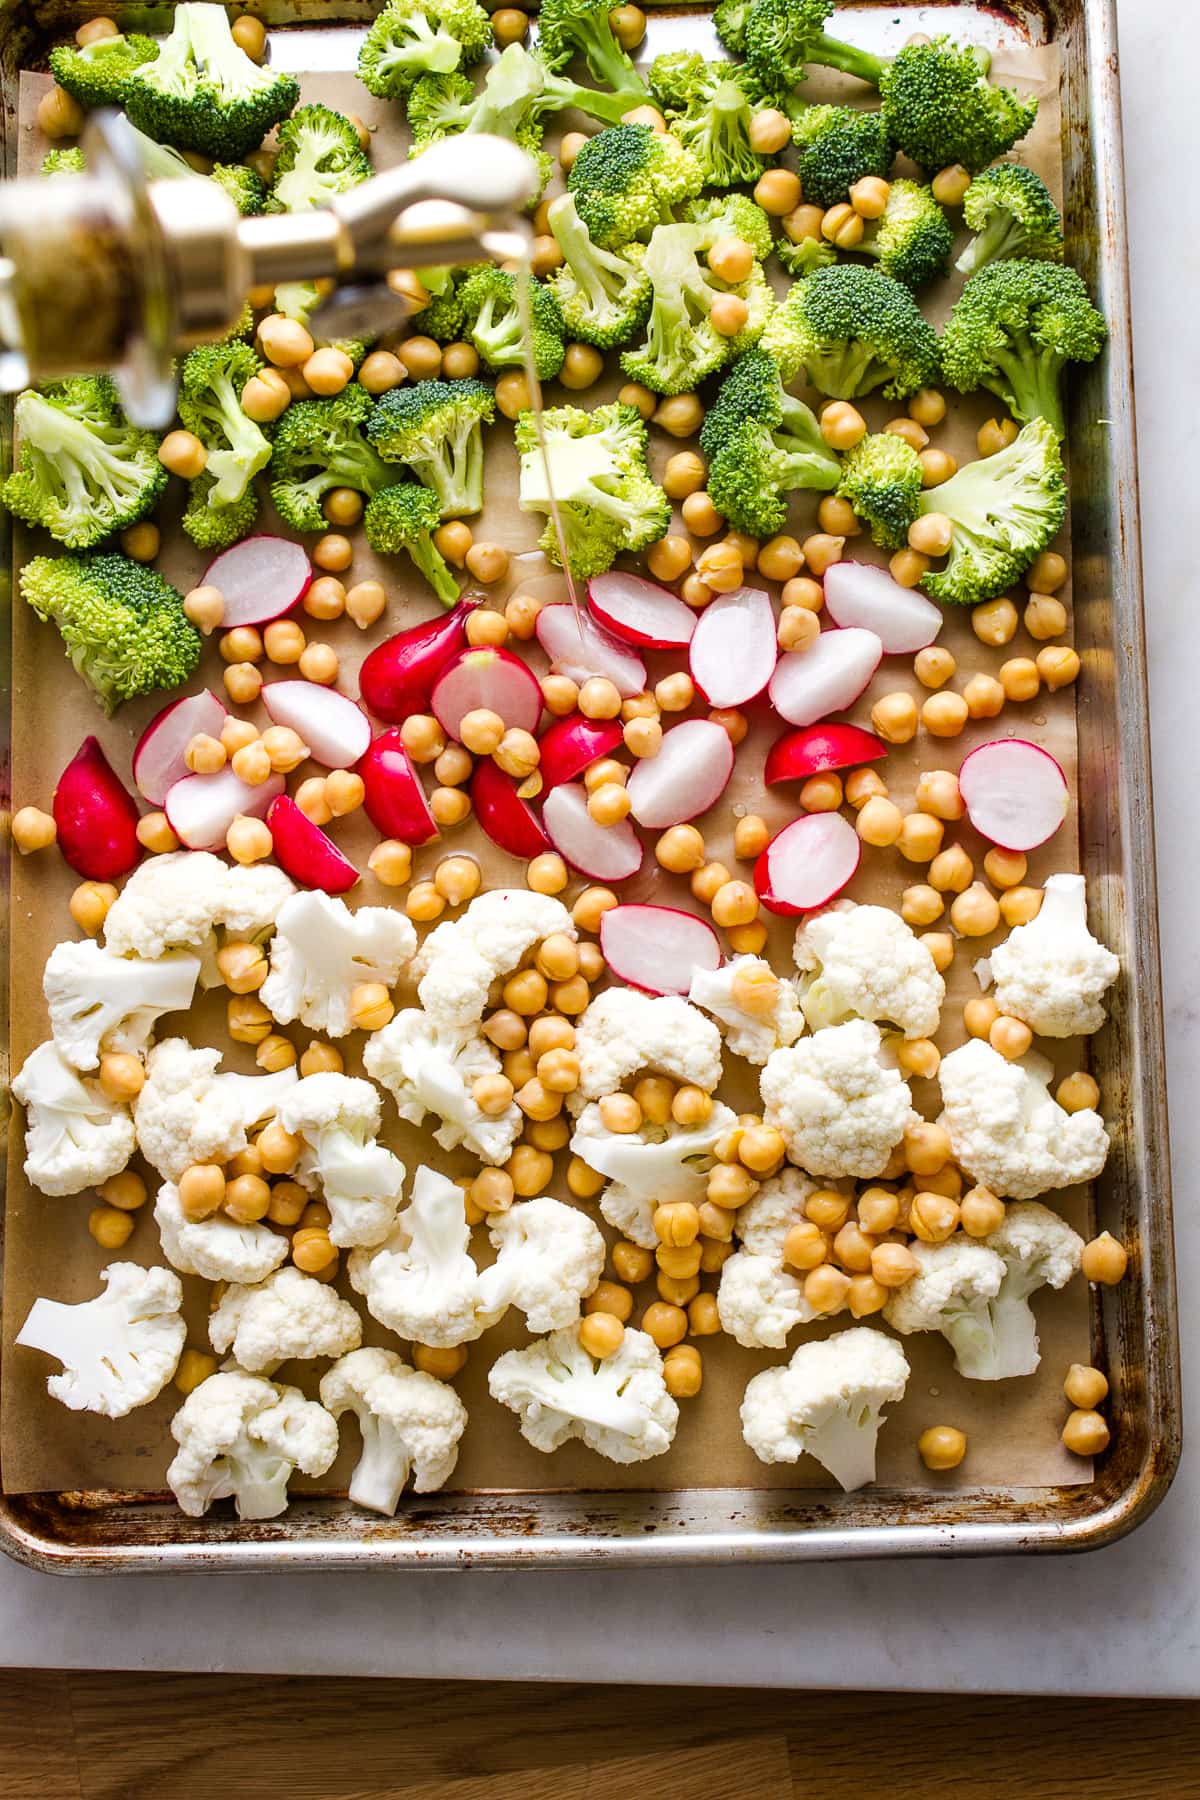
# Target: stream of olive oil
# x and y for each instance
(524, 277)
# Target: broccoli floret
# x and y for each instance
(708, 107)
(436, 429)
(411, 38)
(405, 518)
(730, 21)
(913, 238)
(210, 405)
(881, 478)
(762, 444)
(202, 92)
(806, 256)
(243, 186)
(1005, 510)
(838, 147)
(212, 526)
(64, 161)
(82, 470)
(782, 37)
(1012, 213)
(442, 317)
(319, 158)
(628, 179)
(603, 297)
(854, 330)
(568, 28)
(682, 345)
(96, 74)
(600, 483)
(940, 107)
(734, 216)
(492, 321)
(122, 625)
(319, 445)
(1014, 329)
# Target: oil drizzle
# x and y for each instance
(524, 277)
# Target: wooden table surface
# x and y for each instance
(190, 1737)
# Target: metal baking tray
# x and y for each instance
(1134, 1325)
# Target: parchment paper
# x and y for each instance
(1012, 1426)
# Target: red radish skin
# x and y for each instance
(735, 647)
(336, 731)
(96, 817)
(259, 579)
(826, 678)
(863, 594)
(397, 678)
(689, 774)
(1015, 793)
(158, 757)
(657, 948)
(807, 864)
(201, 808)
(570, 745)
(303, 851)
(509, 821)
(640, 612)
(819, 748)
(395, 801)
(490, 681)
(580, 648)
(601, 852)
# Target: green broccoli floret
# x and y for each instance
(243, 186)
(709, 108)
(122, 625)
(782, 37)
(319, 445)
(599, 480)
(405, 517)
(762, 444)
(212, 526)
(319, 158)
(734, 216)
(838, 146)
(411, 38)
(64, 161)
(202, 92)
(603, 297)
(568, 28)
(940, 107)
(1014, 329)
(730, 20)
(881, 478)
(1012, 213)
(96, 74)
(628, 179)
(853, 329)
(436, 429)
(912, 239)
(682, 345)
(210, 404)
(492, 321)
(82, 470)
(806, 256)
(1005, 509)
(442, 317)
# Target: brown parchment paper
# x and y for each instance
(1013, 1426)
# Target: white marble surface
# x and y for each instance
(1123, 1621)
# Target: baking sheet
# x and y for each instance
(1013, 1426)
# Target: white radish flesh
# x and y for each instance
(601, 852)
(864, 594)
(201, 808)
(487, 680)
(689, 774)
(159, 760)
(1016, 795)
(657, 948)
(336, 731)
(734, 648)
(826, 678)
(640, 612)
(808, 864)
(259, 579)
(580, 648)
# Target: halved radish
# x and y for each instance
(488, 680)
(1015, 793)
(640, 612)
(734, 648)
(96, 816)
(509, 821)
(303, 851)
(859, 593)
(688, 775)
(259, 579)
(601, 852)
(570, 744)
(799, 754)
(807, 864)
(827, 677)
(201, 808)
(395, 801)
(397, 678)
(577, 646)
(158, 755)
(336, 731)
(657, 948)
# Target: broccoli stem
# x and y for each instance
(1001, 237)
(1032, 381)
(588, 263)
(434, 568)
(832, 53)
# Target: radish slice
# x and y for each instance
(807, 864)
(259, 579)
(735, 649)
(1015, 793)
(640, 612)
(864, 594)
(491, 680)
(336, 731)
(509, 821)
(601, 852)
(799, 754)
(827, 677)
(395, 801)
(158, 756)
(657, 948)
(570, 744)
(580, 648)
(688, 775)
(397, 678)
(96, 816)
(304, 852)
(201, 808)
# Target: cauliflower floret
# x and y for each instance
(458, 962)
(840, 1109)
(338, 1117)
(217, 1248)
(649, 1167)
(186, 899)
(322, 951)
(1038, 1249)
(864, 962)
(100, 1002)
(119, 1350)
(619, 1407)
(776, 1018)
(951, 1292)
(827, 1403)
(187, 1113)
(623, 1031)
(759, 1301)
(74, 1137)
(422, 1282)
(241, 1435)
(765, 1220)
(287, 1315)
(430, 1069)
(1007, 1130)
(254, 896)
(410, 1422)
(549, 1257)
(1053, 973)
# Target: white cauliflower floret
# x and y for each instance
(647, 1168)
(411, 1425)
(100, 1002)
(187, 1113)
(1008, 1131)
(864, 962)
(322, 951)
(951, 1292)
(623, 1031)
(241, 1435)
(185, 900)
(338, 1117)
(840, 1109)
(119, 1350)
(458, 962)
(549, 1257)
(827, 1403)
(288, 1315)
(254, 896)
(218, 1248)
(422, 1282)
(768, 1216)
(759, 1301)
(1038, 1249)
(430, 1069)
(619, 1407)
(75, 1138)
(777, 1019)
(1053, 973)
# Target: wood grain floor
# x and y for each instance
(183, 1737)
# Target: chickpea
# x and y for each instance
(641, 399)
(521, 616)
(59, 116)
(1085, 1433)
(1104, 1260)
(1020, 678)
(666, 1325)
(1010, 1037)
(914, 435)
(950, 185)
(933, 1217)
(975, 912)
(893, 1265)
(980, 1212)
(837, 517)
(980, 1014)
(560, 696)
(487, 562)
(1058, 665)
(517, 753)
(700, 515)
(284, 641)
(509, 25)
(675, 693)
(599, 698)
(728, 314)
(714, 1255)
(778, 192)
(645, 115)
(920, 837)
(457, 879)
(669, 558)
(880, 822)
(826, 1288)
(370, 1006)
(951, 871)
(803, 223)
(937, 466)
(842, 425)
(680, 849)
(736, 903)
(862, 785)
(275, 1053)
(944, 714)
(681, 415)
(720, 567)
(1047, 573)
(319, 663)
(921, 904)
(460, 362)
(894, 718)
(422, 357)
(1045, 617)
(942, 1447)
(842, 226)
(569, 149)
(547, 874)
(1077, 1092)
(769, 132)
(643, 737)
(984, 697)
(248, 840)
(1020, 904)
(907, 567)
(1005, 868)
(869, 198)
(94, 29)
(822, 550)
(940, 946)
(1084, 1386)
(512, 393)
